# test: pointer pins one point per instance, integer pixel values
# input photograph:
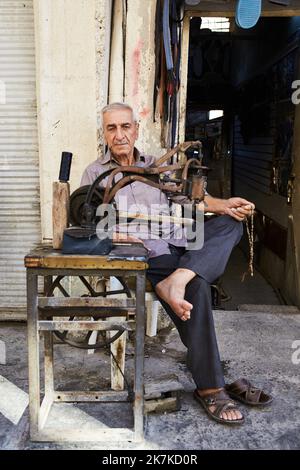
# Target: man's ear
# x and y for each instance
(137, 129)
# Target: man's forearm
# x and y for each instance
(214, 205)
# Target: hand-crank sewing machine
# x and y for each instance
(189, 181)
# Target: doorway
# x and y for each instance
(238, 103)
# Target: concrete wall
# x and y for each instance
(73, 61)
(66, 91)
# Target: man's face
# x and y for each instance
(120, 132)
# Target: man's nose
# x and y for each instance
(119, 133)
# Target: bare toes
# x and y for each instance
(186, 305)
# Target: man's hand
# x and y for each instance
(236, 207)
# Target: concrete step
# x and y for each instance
(288, 309)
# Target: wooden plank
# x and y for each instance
(83, 262)
(87, 302)
(33, 352)
(45, 409)
(88, 325)
(60, 211)
(90, 396)
(118, 349)
(184, 77)
(154, 389)
(88, 262)
(48, 363)
(161, 405)
(96, 313)
(46, 256)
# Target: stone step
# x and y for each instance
(288, 309)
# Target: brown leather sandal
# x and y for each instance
(222, 402)
(243, 391)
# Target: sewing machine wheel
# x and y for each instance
(82, 340)
(78, 199)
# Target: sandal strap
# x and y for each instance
(221, 401)
(225, 407)
(243, 386)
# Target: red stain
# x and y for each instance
(136, 69)
(144, 113)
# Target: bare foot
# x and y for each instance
(231, 415)
(172, 291)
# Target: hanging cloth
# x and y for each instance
(171, 79)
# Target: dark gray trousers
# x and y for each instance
(221, 234)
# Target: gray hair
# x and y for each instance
(116, 106)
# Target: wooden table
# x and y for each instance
(47, 263)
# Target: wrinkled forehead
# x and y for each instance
(117, 117)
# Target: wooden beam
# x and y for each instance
(87, 302)
(87, 325)
(90, 396)
(184, 76)
(83, 262)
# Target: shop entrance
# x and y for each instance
(240, 86)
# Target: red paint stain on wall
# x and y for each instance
(144, 113)
(135, 71)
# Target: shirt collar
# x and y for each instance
(107, 158)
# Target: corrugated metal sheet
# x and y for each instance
(252, 161)
(19, 172)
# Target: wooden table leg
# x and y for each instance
(33, 352)
(139, 358)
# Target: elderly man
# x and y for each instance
(180, 277)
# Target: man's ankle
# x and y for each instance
(207, 391)
(185, 275)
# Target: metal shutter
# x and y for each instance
(252, 162)
(19, 167)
